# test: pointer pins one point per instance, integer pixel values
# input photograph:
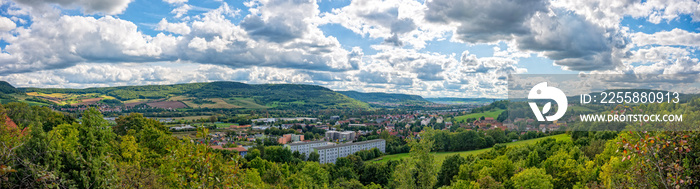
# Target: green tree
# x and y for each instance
(251, 179)
(278, 154)
(489, 182)
(463, 184)
(563, 168)
(252, 154)
(11, 138)
(417, 171)
(347, 184)
(498, 135)
(450, 168)
(95, 148)
(190, 165)
(318, 175)
(314, 156)
(533, 159)
(136, 122)
(299, 180)
(532, 178)
(21, 113)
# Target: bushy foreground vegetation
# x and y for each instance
(51, 150)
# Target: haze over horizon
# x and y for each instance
(438, 48)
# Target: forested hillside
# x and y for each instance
(403, 99)
(6, 88)
(227, 93)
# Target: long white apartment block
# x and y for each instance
(306, 147)
(329, 153)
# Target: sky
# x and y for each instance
(432, 48)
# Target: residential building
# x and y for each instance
(425, 122)
(264, 120)
(330, 153)
(305, 147)
(290, 138)
(186, 127)
(340, 135)
(286, 126)
(484, 124)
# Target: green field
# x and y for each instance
(580, 109)
(245, 103)
(440, 156)
(224, 125)
(493, 113)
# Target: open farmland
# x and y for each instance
(218, 103)
(245, 103)
(70, 99)
(132, 104)
(167, 104)
(89, 101)
(493, 114)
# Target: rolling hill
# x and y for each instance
(221, 94)
(386, 98)
(6, 88)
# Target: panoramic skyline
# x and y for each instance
(436, 48)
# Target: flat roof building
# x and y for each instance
(306, 147)
(330, 153)
(340, 135)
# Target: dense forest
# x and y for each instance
(48, 149)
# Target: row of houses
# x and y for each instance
(329, 152)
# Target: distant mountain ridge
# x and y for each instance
(378, 97)
(452, 100)
(221, 94)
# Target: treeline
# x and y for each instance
(463, 140)
(366, 155)
(385, 97)
(394, 144)
(501, 104)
